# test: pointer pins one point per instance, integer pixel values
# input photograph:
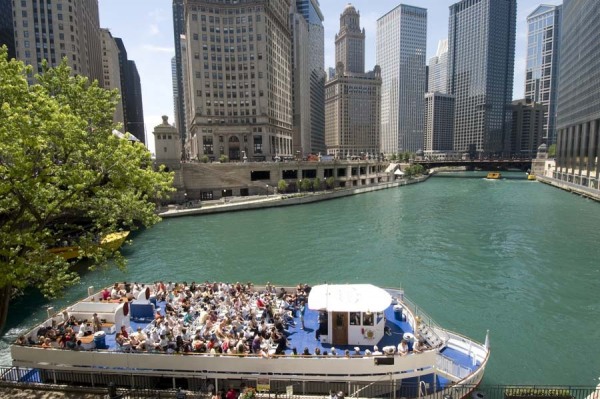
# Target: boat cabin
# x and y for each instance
(350, 314)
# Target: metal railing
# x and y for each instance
(132, 387)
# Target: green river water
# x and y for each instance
(518, 258)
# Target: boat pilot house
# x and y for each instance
(350, 314)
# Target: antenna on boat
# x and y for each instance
(487, 340)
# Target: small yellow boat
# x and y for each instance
(493, 175)
(531, 176)
(112, 242)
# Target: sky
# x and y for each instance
(146, 27)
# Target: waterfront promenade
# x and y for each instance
(232, 204)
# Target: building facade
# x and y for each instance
(352, 97)
(401, 52)
(439, 123)
(352, 113)
(111, 71)
(7, 33)
(350, 41)
(578, 112)
(527, 127)
(481, 53)
(438, 69)
(57, 30)
(178, 98)
(135, 108)
(311, 11)
(239, 71)
(541, 73)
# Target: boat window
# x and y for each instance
(354, 318)
(339, 320)
(367, 319)
(379, 317)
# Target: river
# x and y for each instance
(518, 258)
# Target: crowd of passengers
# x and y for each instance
(202, 318)
(210, 318)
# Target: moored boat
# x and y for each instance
(351, 337)
(112, 241)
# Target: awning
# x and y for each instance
(391, 167)
(349, 298)
(399, 173)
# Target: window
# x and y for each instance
(367, 319)
(258, 144)
(354, 318)
(207, 144)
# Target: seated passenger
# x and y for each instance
(403, 348)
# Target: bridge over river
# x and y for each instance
(523, 164)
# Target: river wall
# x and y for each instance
(573, 188)
(248, 203)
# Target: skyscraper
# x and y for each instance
(112, 71)
(135, 109)
(239, 94)
(59, 30)
(438, 69)
(350, 41)
(541, 73)
(439, 123)
(481, 54)
(178, 99)
(352, 98)
(401, 52)
(308, 76)
(7, 34)
(578, 112)
(311, 11)
(527, 127)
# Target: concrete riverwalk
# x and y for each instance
(232, 204)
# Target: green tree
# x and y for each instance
(305, 185)
(552, 151)
(393, 157)
(282, 186)
(223, 158)
(64, 177)
(330, 182)
(316, 184)
(204, 159)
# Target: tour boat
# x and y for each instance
(112, 241)
(354, 335)
(493, 175)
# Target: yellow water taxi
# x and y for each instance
(493, 175)
(112, 242)
(531, 176)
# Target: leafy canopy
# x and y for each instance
(64, 177)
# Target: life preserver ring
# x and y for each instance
(369, 334)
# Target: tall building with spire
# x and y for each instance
(438, 69)
(481, 55)
(352, 97)
(59, 30)
(401, 52)
(239, 84)
(541, 73)
(350, 41)
(308, 57)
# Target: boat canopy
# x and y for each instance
(349, 298)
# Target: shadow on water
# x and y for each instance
(480, 175)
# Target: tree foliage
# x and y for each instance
(64, 176)
(282, 186)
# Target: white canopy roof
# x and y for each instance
(349, 298)
(391, 167)
(399, 173)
